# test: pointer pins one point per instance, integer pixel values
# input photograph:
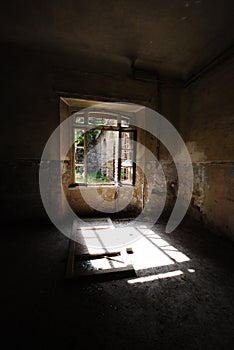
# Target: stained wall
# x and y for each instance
(207, 126)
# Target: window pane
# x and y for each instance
(126, 174)
(127, 140)
(127, 157)
(79, 155)
(79, 137)
(124, 123)
(78, 118)
(102, 119)
(79, 174)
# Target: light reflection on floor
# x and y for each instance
(150, 251)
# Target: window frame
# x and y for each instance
(120, 129)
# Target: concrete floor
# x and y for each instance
(194, 310)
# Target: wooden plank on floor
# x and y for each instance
(110, 273)
(91, 227)
(96, 255)
(126, 271)
(79, 256)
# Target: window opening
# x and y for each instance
(105, 154)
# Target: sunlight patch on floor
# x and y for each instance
(156, 277)
(149, 249)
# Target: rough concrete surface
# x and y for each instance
(194, 310)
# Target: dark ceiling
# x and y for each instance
(174, 37)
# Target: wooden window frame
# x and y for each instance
(120, 129)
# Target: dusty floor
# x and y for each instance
(194, 310)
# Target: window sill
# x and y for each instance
(77, 186)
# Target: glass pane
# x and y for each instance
(126, 174)
(79, 155)
(127, 140)
(124, 123)
(102, 119)
(79, 174)
(79, 137)
(127, 156)
(78, 118)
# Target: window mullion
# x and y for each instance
(119, 151)
(85, 148)
(134, 157)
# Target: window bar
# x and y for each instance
(119, 150)
(73, 157)
(85, 148)
(134, 157)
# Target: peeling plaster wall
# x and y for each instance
(207, 126)
(170, 103)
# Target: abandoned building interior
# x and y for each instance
(112, 72)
